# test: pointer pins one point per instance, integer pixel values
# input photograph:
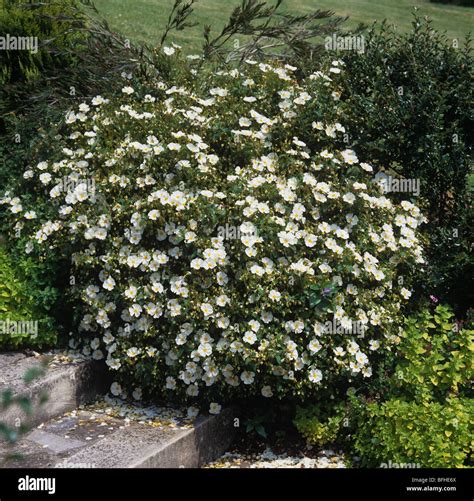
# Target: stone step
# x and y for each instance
(67, 383)
(93, 437)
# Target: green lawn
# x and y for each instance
(143, 20)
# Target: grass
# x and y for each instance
(143, 20)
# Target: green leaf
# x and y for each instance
(261, 431)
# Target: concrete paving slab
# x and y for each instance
(88, 439)
(67, 384)
(54, 443)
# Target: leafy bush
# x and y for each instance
(50, 22)
(218, 233)
(407, 109)
(435, 357)
(321, 425)
(428, 435)
(425, 413)
(71, 54)
(24, 304)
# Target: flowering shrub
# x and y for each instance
(224, 240)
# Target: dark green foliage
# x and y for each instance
(32, 79)
(52, 24)
(408, 109)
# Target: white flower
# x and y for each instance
(310, 240)
(315, 375)
(30, 214)
(339, 351)
(133, 352)
(267, 392)
(128, 90)
(204, 350)
(222, 278)
(169, 51)
(250, 337)
(222, 300)
(215, 408)
(170, 383)
(137, 394)
(325, 268)
(131, 292)
(247, 377)
(97, 355)
(192, 412)
(113, 363)
(98, 100)
(361, 358)
(274, 295)
(218, 91)
(190, 237)
(153, 215)
(257, 270)
(109, 284)
(349, 157)
(193, 390)
(115, 389)
(314, 345)
(405, 293)
(45, 178)
(349, 198)
(351, 289)
(134, 261)
(207, 309)
(70, 117)
(245, 122)
(374, 344)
